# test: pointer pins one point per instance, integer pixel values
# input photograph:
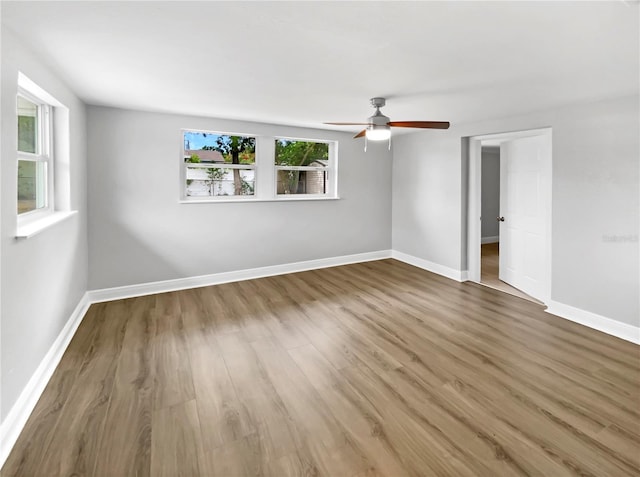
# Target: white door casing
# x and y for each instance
(525, 205)
(474, 203)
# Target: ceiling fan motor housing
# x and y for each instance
(378, 119)
(378, 128)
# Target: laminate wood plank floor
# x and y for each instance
(372, 369)
(489, 276)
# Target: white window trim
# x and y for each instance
(302, 168)
(185, 199)
(33, 222)
(280, 198)
(29, 229)
(265, 188)
(44, 154)
(331, 169)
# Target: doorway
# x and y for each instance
(509, 213)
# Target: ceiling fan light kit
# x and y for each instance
(379, 126)
(378, 133)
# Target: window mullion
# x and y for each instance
(218, 165)
(300, 168)
(25, 156)
(265, 173)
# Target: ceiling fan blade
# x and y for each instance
(420, 124)
(348, 124)
(360, 134)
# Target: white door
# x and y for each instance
(524, 205)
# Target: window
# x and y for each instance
(35, 167)
(217, 165)
(222, 166)
(301, 167)
(42, 158)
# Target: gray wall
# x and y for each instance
(139, 232)
(595, 206)
(490, 192)
(43, 277)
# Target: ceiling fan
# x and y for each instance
(379, 126)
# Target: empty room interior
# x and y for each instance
(320, 238)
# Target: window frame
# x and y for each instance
(265, 170)
(330, 170)
(216, 198)
(44, 154)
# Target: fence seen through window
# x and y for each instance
(219, 164)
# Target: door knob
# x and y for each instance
(500, 219)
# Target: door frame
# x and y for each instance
(474, 202)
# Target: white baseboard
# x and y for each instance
(594, 321)
(107, 294)
(457, 275)
(17, 417)
(490, 239)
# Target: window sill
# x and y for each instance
(34, 227)
(275, 199)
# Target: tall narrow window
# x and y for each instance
(35, 168)
(302, 167)
(218, 165)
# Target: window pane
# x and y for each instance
(218, 148)
(27, 126)
(302, 182)
(301, 153)
(32, 186)
(219, 181)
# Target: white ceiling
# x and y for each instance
(302, 63)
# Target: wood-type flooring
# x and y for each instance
(371, 369)
(489, 272)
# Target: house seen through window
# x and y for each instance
(301, 167)
(219, 164)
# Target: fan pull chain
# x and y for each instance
(365, 143)
(389, 142)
